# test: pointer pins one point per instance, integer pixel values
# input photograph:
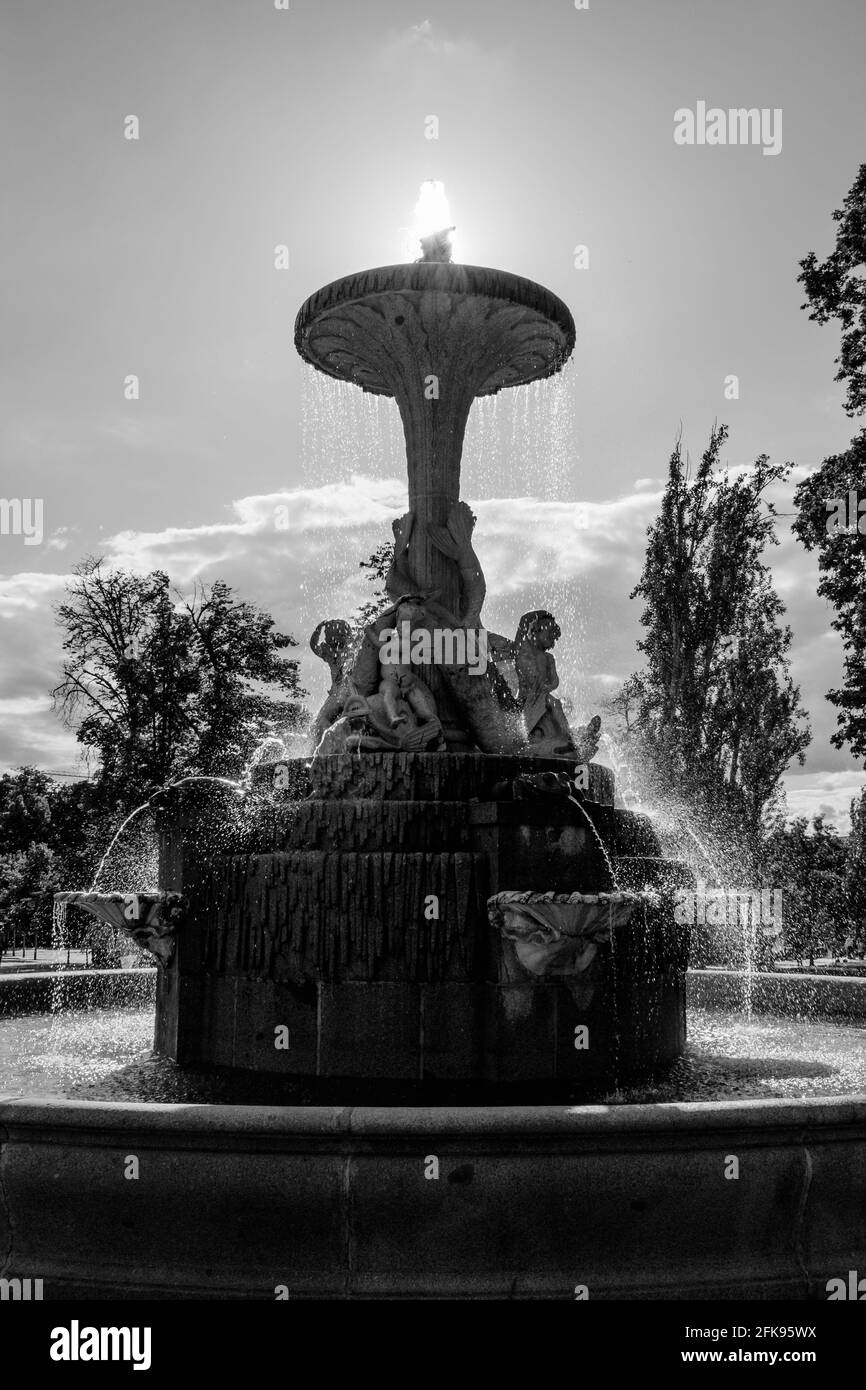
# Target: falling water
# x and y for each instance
(622, 772)
(351, 443)
(58, 925)
(521, 444)
(749, 953)
(202, 777)
(705, 852)
(345, 431)
(145, 805)
(522, 441)
(58, 929)
(746, 925)
(599, 840)
(129, 819)
(258, 754)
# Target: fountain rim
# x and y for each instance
(759, 1116)
(444, 277)
(241, 1156)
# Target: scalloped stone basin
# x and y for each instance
(557, 935)
(503, 330)
(148, 919)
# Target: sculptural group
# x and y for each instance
(507, 705)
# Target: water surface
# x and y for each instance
(105, 1054)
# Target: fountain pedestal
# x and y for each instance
(434, 336)
(361, 938)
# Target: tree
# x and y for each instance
(855, 873)
(377, 565)
(836, 289)
(25, 809)
(246, 690)
(715, 715)
(159, 686)
(28, 878)
(807, 863)
(842, 569)
(127, 678)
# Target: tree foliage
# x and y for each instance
(715, 711)
(809, 864)
(842, 569)
(377, 565)
(159, 686)
(836, 289)
(26, 811)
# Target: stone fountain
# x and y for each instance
(435, 897)
(442, 899)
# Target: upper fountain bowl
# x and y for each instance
(486, 328)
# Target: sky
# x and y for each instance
(307, 127)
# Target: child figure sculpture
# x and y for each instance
(332, 643)
(403, 693)
(547, 730)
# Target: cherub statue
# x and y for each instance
(332, 642)
(373, 704)
(547, 729)
(399, 685)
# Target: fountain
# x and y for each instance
(440, 910)
(382, 901)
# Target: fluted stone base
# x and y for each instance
(347, 934)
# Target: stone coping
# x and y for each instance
(44, 991)
(788, 994)
(72, 972)
(251, 1122)
(776, 976)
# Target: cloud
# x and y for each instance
(22, 594)
(419, 47)
(421, 38)
(24, 706)
(30, 732)
(296, 553)
(825, 793)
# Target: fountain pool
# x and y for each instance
(106, 1054)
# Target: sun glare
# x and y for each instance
(432, 214)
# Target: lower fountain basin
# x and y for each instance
(629, 1200)
(538, 1202)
